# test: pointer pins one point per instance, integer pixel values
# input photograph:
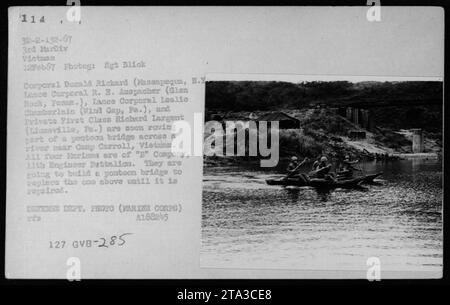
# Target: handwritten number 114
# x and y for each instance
(31, 19)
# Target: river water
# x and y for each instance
(249, 224)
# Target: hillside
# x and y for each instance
(401, 104)
(323, 130)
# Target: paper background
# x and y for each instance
(185, 42)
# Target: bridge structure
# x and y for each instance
(360, 114)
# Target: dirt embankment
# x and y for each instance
(324, 132)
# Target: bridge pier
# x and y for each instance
(366, 119)
(348, 113)
(355, 115)
(417, 140)
(361, 117)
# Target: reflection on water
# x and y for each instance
(249, 224)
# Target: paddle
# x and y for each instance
(360, 168)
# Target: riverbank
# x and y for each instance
(425, 156)
(324, 132)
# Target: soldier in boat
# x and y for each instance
(348, 168)
(322, 169)
(293, 169)
(315, 164)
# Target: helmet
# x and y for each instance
(294, 158)
(323, 159)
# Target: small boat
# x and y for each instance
(370, 178)
(286, 182)
(367, 179)
(317, 182)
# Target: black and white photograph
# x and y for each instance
(358, 180)
(223, 149)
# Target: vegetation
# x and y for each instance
(394, 106)
(265, 96)
(291, 143)
(426, 117)
(392, 140)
